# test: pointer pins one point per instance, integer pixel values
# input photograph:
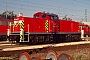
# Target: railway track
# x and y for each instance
(8, 49)
(12, 47)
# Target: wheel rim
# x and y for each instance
(51, 55)
(24, 56)
(36, 58)
(64, 57)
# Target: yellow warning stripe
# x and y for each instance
(22, 24)
(21, 37)
(22, 27)
(19, 24)
(16, 24)
(46, 25)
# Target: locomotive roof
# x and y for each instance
(51, 14)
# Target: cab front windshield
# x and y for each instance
(54, 17)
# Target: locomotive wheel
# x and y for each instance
(24, 56)
(36, 58)
(52, 55)
(64, 57)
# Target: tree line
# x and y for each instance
(8, 15)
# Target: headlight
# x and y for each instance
(20, 21)
(15, 21)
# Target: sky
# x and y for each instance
(74, 9)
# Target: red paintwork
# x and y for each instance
(68, 26)
(16, 29)
(35, 25)
(3, 29)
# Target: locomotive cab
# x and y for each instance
(52, 18)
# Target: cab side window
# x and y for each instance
(43, 15)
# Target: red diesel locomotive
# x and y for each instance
(45, 28)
